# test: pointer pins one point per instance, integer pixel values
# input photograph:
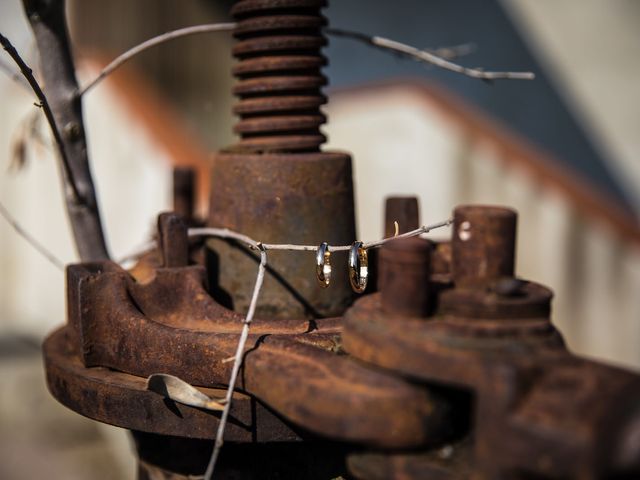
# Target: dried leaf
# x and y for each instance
(18, 153)
(180, 391)
(27, 134)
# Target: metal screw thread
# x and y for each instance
(279, 75)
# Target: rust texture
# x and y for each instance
(410, 384)
(303, 198)
(483, 244)
(539, 412)
(403, 210)
(275, 184)
(278, 71)
(406, 270)
(169, 324)
(453, 370)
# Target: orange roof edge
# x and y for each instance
(588, 199)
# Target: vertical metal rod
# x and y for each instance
(184, 179)
(483, 244)
(405, 271)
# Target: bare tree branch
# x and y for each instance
(454, 51)
(438, 57)
(237, 363)
(44, 104)
(428, 57)
(47, 19)
(165, 37)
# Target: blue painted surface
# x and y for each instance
(532, 108)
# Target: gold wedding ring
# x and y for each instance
(323, 265)
(358, 267)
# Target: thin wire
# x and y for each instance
(427, 56)
(226, 233)
(55, 261)
(262, 247)
(237, 363)
(129, 54)
(27, 73)
(439, 57)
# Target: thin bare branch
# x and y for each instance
(48, 113)
(226, 233)
(236, 364)
(237, 359)
(47, 19)
(454, 51)
(42, 250)
(254, 244)
(165, 37)
(438, 57)
(427, 56)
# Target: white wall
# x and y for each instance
(403, 145)
(591, 49)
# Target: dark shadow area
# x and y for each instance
(282, 461)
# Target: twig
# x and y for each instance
(55, 261)
(412, 233)
(428, 57)
(46, 108)
(165, 37)
(237, 361)
(47, 19)
(226, 233)
(223, 233)
(438, 57)
(26, 133)
(236, 364)
(454, 51)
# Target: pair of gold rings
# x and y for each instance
(358, 266)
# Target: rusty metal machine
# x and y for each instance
(450, 370)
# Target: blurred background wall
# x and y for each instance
(561, 149)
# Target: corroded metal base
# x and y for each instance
(305, 199)
(123, 400)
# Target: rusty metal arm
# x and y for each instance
(124, 326)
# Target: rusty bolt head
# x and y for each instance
(405, 267)
(483, 244)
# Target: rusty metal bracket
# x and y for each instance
(451, 370)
